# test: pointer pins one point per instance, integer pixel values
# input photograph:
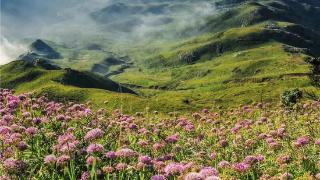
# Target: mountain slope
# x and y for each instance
(244, 51)
(63, 84)
(248, 12)
(32, 71)
(39, 50)
(251, 52)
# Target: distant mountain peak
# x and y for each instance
(41, 48)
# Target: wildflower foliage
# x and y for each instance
(42, 139)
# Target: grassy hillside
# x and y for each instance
(248, 51)
(66, 84)
(252, 52)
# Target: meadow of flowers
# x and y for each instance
(41, 139)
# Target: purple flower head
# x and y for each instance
(22, 146)
(4, 130)
(223, 143)
(224, 164)
(263, 119)
(66, 138)
(196, 116)
(213, 156)
(260, 158)
(193, 176)
(158, 146)
(107, 169)
(205, 111)
(31, 131)
(270, 140)
(95, 148)
(173, 138)
(250, 160)
(63, 160)
(262, 136)
(274, 145)
(90, 160)
(145, 160)
(37, 121)
(125, 153)
(4, 177)
(281, 132)
(143, 131)
(13, 103)
(158, 177)
(143, 143)
(208, 171)
(317, 142)
(22, 97)
(67, 143)
(212, 178)
(50, 159)
(302, 141)
(241, 167)
(111, 155)
(7, 118)
(189, 127)
(174, 168)
(69, 147)
(14, 166)
(61, 117)
(26, 114)
(121, 166)
(283, 159)
(236, 128)
(133, 126)
(85, 176)
(93, 134)
(16, 137)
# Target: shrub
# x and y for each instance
(291, 97)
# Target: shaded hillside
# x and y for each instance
(248, 12)
(238, 39)
(42, 73)
(111, 66)
(89, 80)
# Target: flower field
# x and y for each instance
(41, 139)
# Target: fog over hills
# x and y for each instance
(76, 20)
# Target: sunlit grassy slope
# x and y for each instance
(259, 73)
(250, 53)
(67, 85)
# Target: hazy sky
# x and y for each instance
(48, 19)
(58, 20)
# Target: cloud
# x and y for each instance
(56, 20)
(10, 50)
(69, 21)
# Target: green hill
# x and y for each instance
(253, 51)
(64, 84)
(246, 51)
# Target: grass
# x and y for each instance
(234, 78)
(51, 140)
